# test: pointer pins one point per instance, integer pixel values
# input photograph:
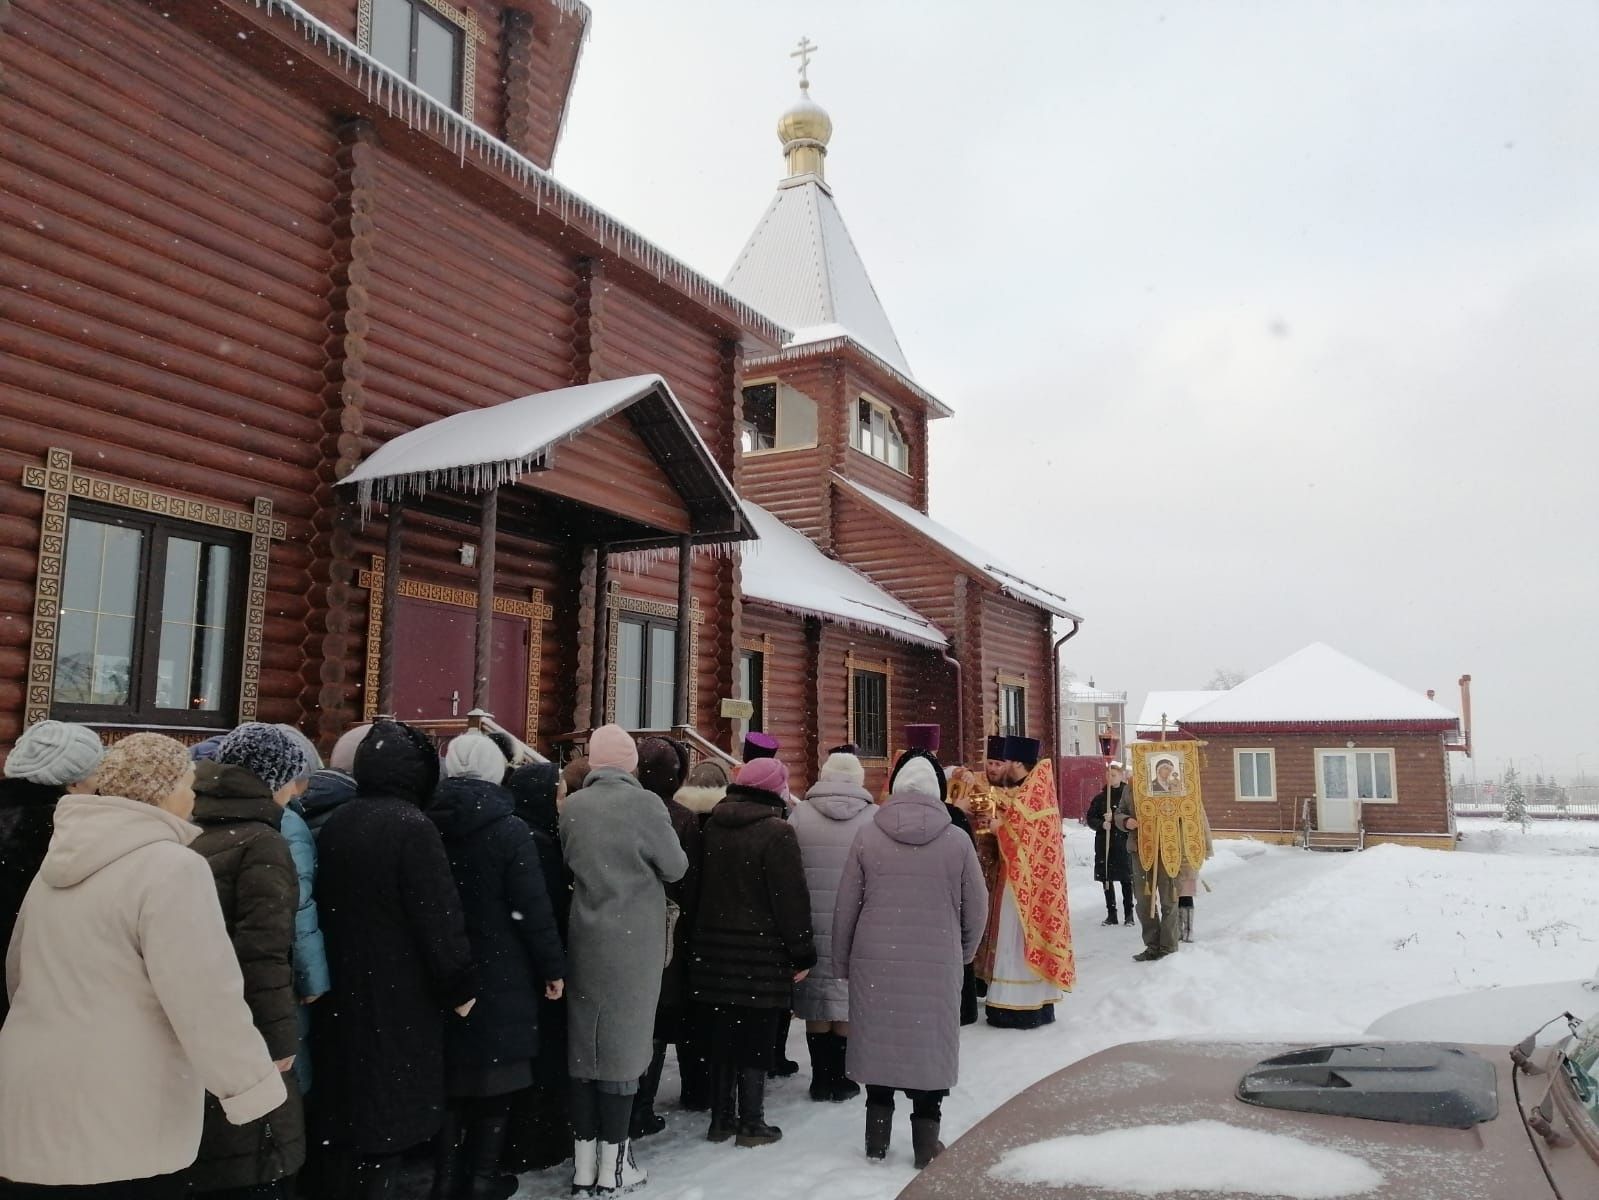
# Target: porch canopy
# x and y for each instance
(616, 466)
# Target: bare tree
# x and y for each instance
(1224, 679)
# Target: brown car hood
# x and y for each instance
(1170, 1083)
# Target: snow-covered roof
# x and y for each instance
(1175, 705)
(818, 340)
(972, 555)
(800, 267)
(786, 569)
(1319, 685)
(485, 448)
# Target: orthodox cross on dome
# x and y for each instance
(806, 49)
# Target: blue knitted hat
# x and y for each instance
(269, 752)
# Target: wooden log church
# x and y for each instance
(320, 397)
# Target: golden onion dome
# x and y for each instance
(805, 120)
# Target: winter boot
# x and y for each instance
(844, 1088)
(695, 1073)
(585, 1167)
(879, 1124)
(618, 1173)
(1150, 954)
(1127, 916)
(752, 1127)
(782, 1065)
(1185, 923)
(1111, 918)
(482, 1178)
(822, 1081)
(646, 1121)
(724, 1103)
(449, 1168)
(924, 1140)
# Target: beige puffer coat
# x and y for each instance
(126, 1005)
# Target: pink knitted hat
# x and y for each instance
(768, 774)
(613, 746)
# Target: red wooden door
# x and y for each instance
(433, 664)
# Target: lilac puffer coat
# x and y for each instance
(911, 909)
(826, 824)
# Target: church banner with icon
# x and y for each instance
(1166, 799)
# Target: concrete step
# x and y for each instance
(1334, 841)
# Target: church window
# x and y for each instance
(151, 627)
(869, 712)
(875, 431)
(1013, 709)
(646, 672)
(777, 417)
(419, 41)
(752, 687)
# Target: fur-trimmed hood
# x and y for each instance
(700, 800)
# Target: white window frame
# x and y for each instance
(1353, 752)
(1238, 775)
(890, 424)
(777, 416)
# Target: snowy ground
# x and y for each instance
(1289, 945)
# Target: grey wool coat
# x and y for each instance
(620, 847)
(826, 824)
(911, 909)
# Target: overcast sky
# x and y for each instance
(1263, 323)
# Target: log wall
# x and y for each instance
(1014, 642)
(164, 245)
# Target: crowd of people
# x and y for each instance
(236, 970)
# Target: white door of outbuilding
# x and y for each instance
(1337, 803)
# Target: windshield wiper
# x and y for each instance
(1521, 1052)
(1540, 1119)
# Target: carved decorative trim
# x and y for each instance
(878, 666)
(763, 646)
(615, 605)
(61, 484)
(533, 610)
(463, 18)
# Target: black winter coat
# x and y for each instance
(260, 892)
(27, 819)
(753, 929)
(685, 893)
(397, 950)
(1118, 864)
(509, 924)
(533, 789)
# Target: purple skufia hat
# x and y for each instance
(924, 737)
(997, 748)
(759, 745)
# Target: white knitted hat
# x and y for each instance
(843, 767)
(55, 753)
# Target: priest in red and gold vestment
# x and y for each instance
(1026, 955)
